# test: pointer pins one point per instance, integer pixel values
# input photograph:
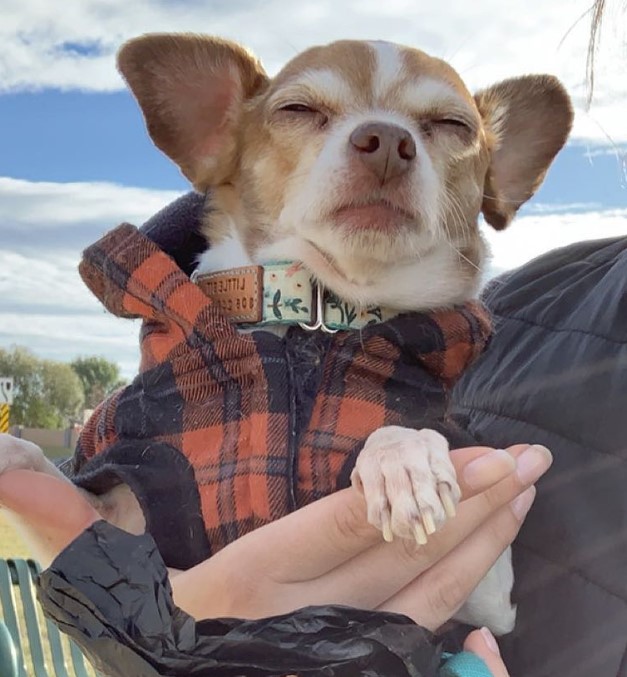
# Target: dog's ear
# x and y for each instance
(527, 121)
(191, 90)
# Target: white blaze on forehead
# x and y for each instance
(389, 66)
(329, 84)
(428, 92)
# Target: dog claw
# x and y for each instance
(420, 534)
(446, 497)
(428, 521)
(388, 536)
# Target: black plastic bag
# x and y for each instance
(110, 592)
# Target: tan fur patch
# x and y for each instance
(353, 61)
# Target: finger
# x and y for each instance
(249, 594)
(359, 581)
(312, 540)
(328, 533)
(434, 597)
(54, 510)
(327, 551)
(482, 643)
(482, 470)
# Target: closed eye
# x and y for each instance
(302, 113)
(452, 122)
(298, 108)
(454, 126)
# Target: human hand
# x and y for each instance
(327, 553)
(51, 510)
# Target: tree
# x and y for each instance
(99, 378)
(62, 387)
(23, 366)
(47, 394)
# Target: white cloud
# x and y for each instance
(617, 151)
(533, 235)
(45, 305)
(485, 40)
(43, 302)
(63, 337)
(69, 216)
(48, 282)
(553, 208)
(47, 204)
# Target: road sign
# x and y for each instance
(4, 418)
(6, 390)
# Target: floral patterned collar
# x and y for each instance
(284, 294)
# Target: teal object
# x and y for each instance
(464, 664)
(17, 577)
(8, 653)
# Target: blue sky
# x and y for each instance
(79, 136)
(75, 159)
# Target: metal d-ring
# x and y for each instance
(318, 303)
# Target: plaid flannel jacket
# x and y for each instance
(222, 432)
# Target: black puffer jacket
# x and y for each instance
(556, 374)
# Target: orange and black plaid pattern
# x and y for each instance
(244, 428)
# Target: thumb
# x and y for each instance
(53, 510)
(482, 643)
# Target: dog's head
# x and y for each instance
(367, 161)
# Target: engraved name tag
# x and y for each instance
(238, 296)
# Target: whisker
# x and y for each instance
(474, 265)
(457, 214)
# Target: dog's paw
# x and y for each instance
(16, 454)
(408, 481)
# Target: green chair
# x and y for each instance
(49, 658)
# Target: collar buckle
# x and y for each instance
(317, 303)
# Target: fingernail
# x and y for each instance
(521, 504)
(490, 641)
(487, 468)
(533, 463)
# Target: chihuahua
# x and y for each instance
(369, 164)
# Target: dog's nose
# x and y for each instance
(387, 150)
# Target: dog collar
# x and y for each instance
(284, 294)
